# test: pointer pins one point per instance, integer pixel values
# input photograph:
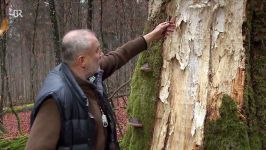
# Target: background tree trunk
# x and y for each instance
(2, 62)
(90, 14)
(208, 88)
(33, 59)
(56, 31)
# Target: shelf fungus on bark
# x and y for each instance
(146, 68)
(135, 122)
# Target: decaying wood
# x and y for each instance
(202, 60)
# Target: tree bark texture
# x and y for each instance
(202, 92)
(56, 31)
(2, 60)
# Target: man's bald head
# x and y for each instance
(76, 42)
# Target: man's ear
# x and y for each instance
(81, 61)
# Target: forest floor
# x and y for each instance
(11, 126)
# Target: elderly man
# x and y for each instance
(71, 110)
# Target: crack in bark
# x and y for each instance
(167, 132)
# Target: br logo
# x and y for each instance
(15, 13)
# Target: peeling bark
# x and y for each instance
(203, 58)
(203, 84)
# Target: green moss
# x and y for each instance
(255, 85)
(16, 144)
(249, 107)
(250, 113)
(21, 108)
(144, 89)
(144, 92)
(259, 87)
(229, 131)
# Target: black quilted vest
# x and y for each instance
(78, 129)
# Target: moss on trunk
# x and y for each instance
(229, 131)
(258, 66)
(144, 93)
(142, 106)
(250, 104)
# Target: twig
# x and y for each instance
(120, 95)
(110, 99)
(120, 87)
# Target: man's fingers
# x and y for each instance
(165, 24)
(171, 22)
(170, 30)
(168, 25)
(171, 25)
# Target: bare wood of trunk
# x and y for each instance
(202, 60)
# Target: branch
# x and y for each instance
(120, 87)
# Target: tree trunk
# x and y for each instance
(33, 59)
(2, 60)
(90, 14)
(207, 85)
(56, 31)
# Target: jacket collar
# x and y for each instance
(94, 81)
(71, 82)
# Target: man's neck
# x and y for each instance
(78, 74)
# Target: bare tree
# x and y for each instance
(56, 30)
(104, 45)
(5, 91)
(90, 13)
(33, 59)
(2, 61)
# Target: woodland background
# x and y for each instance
(31, 47)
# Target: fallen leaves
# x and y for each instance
(10, 122)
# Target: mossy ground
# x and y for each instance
(22, 108)
(15, 144)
